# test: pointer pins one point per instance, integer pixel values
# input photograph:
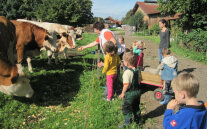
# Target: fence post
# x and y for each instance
(98, 60)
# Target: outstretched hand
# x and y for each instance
(81, 48)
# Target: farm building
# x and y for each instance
(151, 14)
(112, 23)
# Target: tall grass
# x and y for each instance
(60, 99)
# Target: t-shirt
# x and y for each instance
(107, 35)
(128, 76)
(111, 62)
(164, 39)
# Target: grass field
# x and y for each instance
(60, 99)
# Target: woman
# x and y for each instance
(164, 37)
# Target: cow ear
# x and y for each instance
(14, 79)
(58, 36)
(46, 37)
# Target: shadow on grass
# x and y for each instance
(53, 85)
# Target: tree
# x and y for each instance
(73, 12)
(14, 9)
(137, 20)
(95, 19)
(126, 19)
(193, 12)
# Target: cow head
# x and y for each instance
(50, 41)
(20, 85)
(66, 41)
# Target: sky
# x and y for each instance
(117, 9)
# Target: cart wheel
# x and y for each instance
(158, 94)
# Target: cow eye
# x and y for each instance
(58, 36)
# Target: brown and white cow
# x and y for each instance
(55, 28)
(29, 38)
(76, 33)
(12, 78)
(65, 39)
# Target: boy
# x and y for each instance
(193, 115)
(131, 90)
(168, 69)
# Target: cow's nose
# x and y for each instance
(29, 94)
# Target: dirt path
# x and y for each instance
(153, 110)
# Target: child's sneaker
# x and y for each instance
(108, 99)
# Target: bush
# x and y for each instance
(155, 29)
(196, 40)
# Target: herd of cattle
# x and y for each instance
(21, 39)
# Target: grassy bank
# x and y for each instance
(60, 99)
(200, 57)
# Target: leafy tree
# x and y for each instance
(96, 19)
(193, 12)
(14, 9)
(155, 29)
(73, 12)
(137, 20)
(126, 19)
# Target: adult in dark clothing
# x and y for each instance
(164, 37)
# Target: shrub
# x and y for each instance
(155, 29)
(196, 40)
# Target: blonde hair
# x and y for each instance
(129, 58)
(109, 47)
(186, 82)
(141, 43)
(166, 51)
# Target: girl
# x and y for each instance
(111, 63)
(138, 51)
(164, 37)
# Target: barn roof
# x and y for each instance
(148, 8)
(151, 8)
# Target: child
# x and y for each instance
(121, 41)
(193, 115)
(111, 63)
(168, 69)
(138, 51)
(131, 90)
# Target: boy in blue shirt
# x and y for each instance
(193, 114)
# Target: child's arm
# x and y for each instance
(136, 51)
(121, 96)
(172, 120)
(106, 64)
